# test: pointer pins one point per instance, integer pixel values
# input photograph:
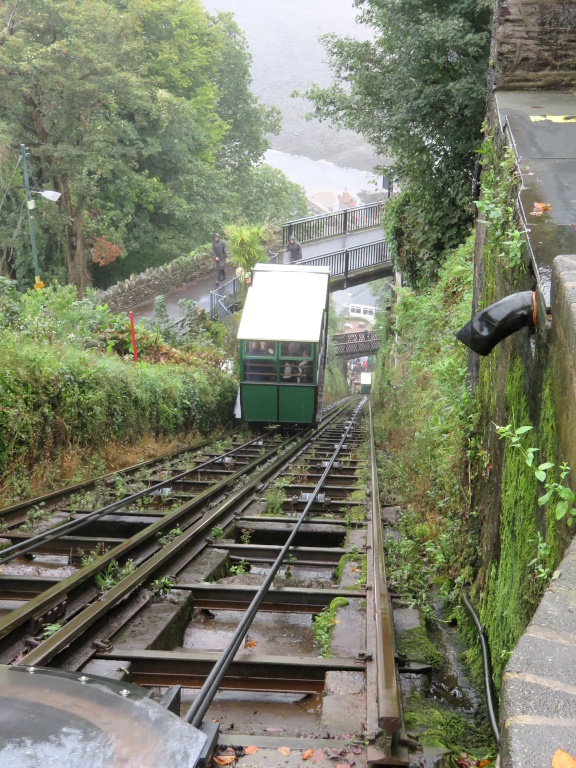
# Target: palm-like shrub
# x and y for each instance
(246, 246)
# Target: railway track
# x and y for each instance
(244, 587)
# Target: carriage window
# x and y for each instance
(296, 349)
(294, 372)
(260, 349)
(260, 369)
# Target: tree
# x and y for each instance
(417, 91)
(141, 115)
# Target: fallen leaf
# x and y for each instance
(562, 759)
(250, 750)
(318, 755)
(273, 729)
(225, 759)
(284, 751)
(251, 643)
(539, 209)
(357, 750)
(342, 765)
(307, 754)
(333, 753)
(484, 763)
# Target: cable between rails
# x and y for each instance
(206, 694)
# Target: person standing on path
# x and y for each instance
(220, 256)
(294, 250)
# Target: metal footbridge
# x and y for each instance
(350, 345)
(346, 241)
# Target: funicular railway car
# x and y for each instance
(283, 340)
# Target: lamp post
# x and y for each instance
(31, 203)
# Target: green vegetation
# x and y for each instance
(246, 247)
(422, 424)
(113, 574)
(275, 497)
(439, 727)
(152, 148)
(50, 629)
(217, 532)
(497, 204)
(415, 645)
(421, 100)
(68, 384)
(169, 537)
(324, 624)
(241, 569)
(335, 384)
(565, 505)
(162, 587)
(246, 535)
(94, 554)
(524, 522)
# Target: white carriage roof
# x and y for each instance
(285, 303)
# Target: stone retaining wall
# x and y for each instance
(538, 697)
(534, 44)
(141, 288)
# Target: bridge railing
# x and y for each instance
(357, 348)
(344, 263)
(230, 296)
(332, 224)
(342, 338)
(227, 298)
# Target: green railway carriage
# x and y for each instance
(283, 339)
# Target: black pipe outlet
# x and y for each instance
(497, 322)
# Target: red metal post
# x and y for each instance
(133, 337)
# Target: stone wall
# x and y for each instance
(128, 294)
(534, 45)
(538, 703)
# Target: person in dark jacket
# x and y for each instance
(220, 255)
(294, 249)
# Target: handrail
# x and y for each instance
(332, 224)
(345, 262)
(340, 338)
(358, 348)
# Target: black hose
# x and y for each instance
(487, 669)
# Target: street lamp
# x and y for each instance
(49, 195)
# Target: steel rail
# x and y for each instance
(79, 623)
(204, 698)
(389, 712)
(100, 479)
(16, 550)
(62, 588)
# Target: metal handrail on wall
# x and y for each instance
(332, 224)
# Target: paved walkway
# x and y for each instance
(199, 290)
(543, 131)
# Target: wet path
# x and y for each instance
(199, 290)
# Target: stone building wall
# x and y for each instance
(534, 45)
(128, 294)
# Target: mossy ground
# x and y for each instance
(439, 727)
(415, 645)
